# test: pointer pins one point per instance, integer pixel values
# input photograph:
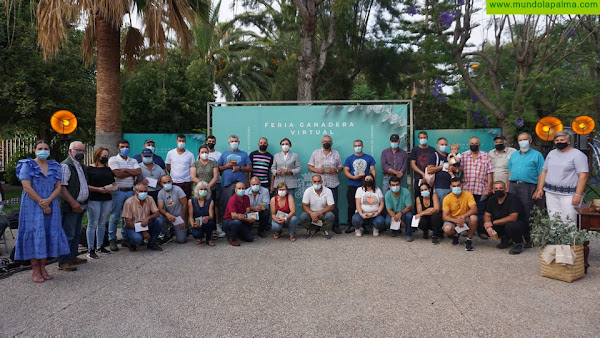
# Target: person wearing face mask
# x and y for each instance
(125, 169)
(356, 166)
(399, 206)
(233, 164)
(328, 163)
(101, 183)
(394, 161)
(283, 212)
(74, 197)
(152, 171)
(216, 191)
(563, 179)
(149, 144)
(419, 156)
(236, 224)
(205, 169)
(179, 161)
(317, 208)
(141, 209)
(524, 169)
(370, 206)
(172, 203)
(504, 216)
(286, 167)
(438, 164)
(201, 206)
(477, 176)
(459, 210)
(40, 234)
(428, 213)
(262, 160)
(500, 156)
(259, 202)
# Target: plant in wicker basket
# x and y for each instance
(546, 230)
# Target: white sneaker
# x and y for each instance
(221, 233)
(358, 232)
(375, 232)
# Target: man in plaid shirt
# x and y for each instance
(477, 177)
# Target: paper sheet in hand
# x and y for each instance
(394, 225)
(252, 215)
(178, 220)
(461, 229)
(152, 182)
(318, 223)
(415, 222)
(139, 227)
(281, 214)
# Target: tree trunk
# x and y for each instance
(108, 86)
(307, 63)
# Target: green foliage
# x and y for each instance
(11, 166)
(546, 230)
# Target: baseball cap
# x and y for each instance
(147, 152)
(149, 140)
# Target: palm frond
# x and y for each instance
(53, 19)
(133, 43)
(89, 42)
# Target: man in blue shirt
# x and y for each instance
(233, 164)
(149, 144)
(355, 168)
(524, 168)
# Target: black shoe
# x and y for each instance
(309, 234)
(155, 247)
(455, 239)
(503, 243)
(426, 234)
(337, 230)
(516, 249)
(469, 245)
(113, 245)
(395, 233)
(125, 244)
(434, 240)
(92, 254)
(104, 251)
(132, 247)
(349, 230)
(261, 234)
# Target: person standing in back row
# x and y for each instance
(393, 162)
(262, 160)
(179, 161)
(356, 166)
(419, 156)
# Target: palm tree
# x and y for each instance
(103, 20)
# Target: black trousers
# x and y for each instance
(336, 211)
(351, 203)
(513, 230)
(431, 222)
(524, 191)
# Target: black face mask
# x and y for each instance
(561, 145)
(210, 145)
(104, 160)
(262, 147)
(79, 156)
(326, 145)
(499, 146)
(474, 148)
(499, 193)
(369, 183)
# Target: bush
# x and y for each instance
(11, 167)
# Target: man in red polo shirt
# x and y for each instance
(235, 223)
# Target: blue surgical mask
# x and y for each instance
(422, 141)
(151, 148)
(443, 149)
(456, 190)
(124, 152)
(395, 189)
(142, 195)
(234, 145)
(181, 145)
(240, 192)
(524, 145)
(255, 188)
(394, 145)
(202, 193)
(42, 154)
(168, 186)
(147, 160)
(357, 149)
(425, 193)
(317, 186)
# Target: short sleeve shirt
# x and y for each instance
(526, 166)
(318, 202)
(421, 158)
(134, 209)
(500, 163)
(261, 167)
(358, 164)
(242, 159)
(398, 204)
(369, 200)
(319, 159)
(235, 205)
(442, 178)
(475, 171)
(180, 165)
(204, 172)
(510, 205)
(172, 200)
(118, 162)
(562, 169)
(458, 205)
(156, 173)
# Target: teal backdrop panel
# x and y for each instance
(306, 125)
(164, 142)
(461, 136)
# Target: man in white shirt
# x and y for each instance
(179, 161)
(259, 202)
(125, 169)
(317, 207)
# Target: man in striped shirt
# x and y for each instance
(261, 161)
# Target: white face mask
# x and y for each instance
(204, 156)
(181, 145)
(285, 147)
(281, 192)
(524, 145)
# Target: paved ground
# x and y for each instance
(346, 286)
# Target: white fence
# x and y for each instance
(26, 144)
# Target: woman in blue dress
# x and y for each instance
(40, 229)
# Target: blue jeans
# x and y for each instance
(407, 219)
(71, 223)
(385, 184)
(441, 193)
(154, 226)
(205, 230)
(378, 222)
(238, 229)
(292, 223)
(98, 212)
(118, 198)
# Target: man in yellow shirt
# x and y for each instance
(460, 210)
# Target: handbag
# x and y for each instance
(430, 178)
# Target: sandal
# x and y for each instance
(199, 241)
(214, 235)
(210, 243)
(275, 235)
(292, 238)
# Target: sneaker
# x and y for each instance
(113, 245)
(469, 245)
(92, 254)
(503, 245)
(349, 230)
(395, 233)
(103, 251)
(434, 240)
(516, 249)
(337, 230)
(409, 238)
(309, 234)
(154, 247)
(358, 233)
(221, 234)
(125, 244)
(425, 234)
(326, 234)
(455, 239)
(375, 232)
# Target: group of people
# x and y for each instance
(213, 194)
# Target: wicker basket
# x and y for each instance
(561, 272)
